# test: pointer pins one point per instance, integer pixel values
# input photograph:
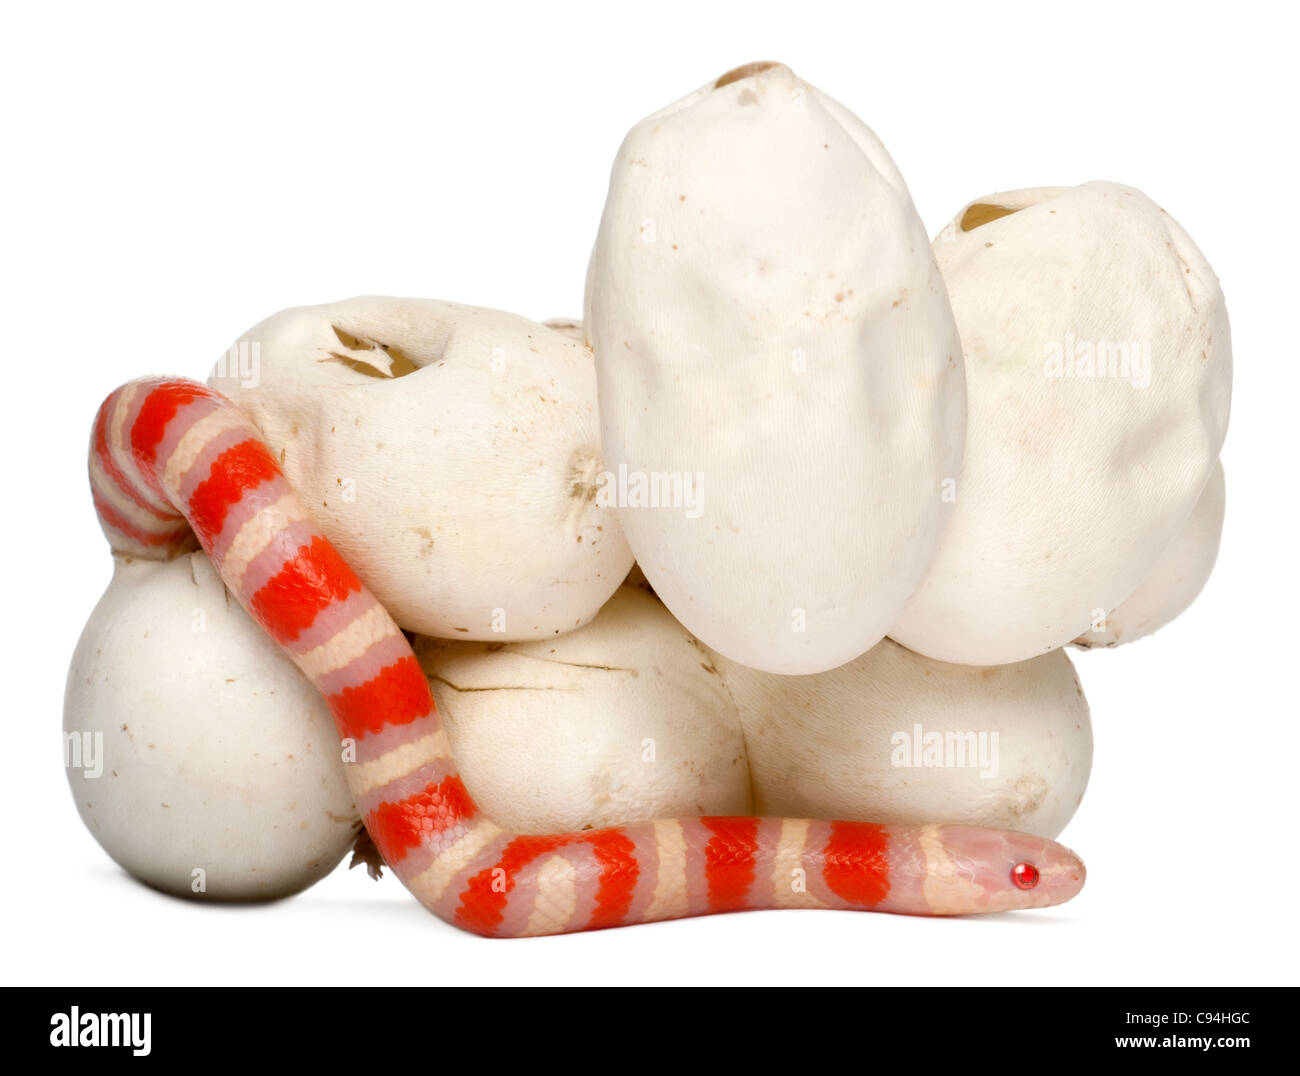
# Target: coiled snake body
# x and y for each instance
(172, 461)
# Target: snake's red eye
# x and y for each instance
(1025, 875)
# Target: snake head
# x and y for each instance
(973, 869)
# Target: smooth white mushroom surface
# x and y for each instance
(219, 774)
(1177, 578)
(624, 720)
(781, 390)
(896, 737)
(450, 452)
(1098, 368)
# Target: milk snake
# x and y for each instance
(173, 461)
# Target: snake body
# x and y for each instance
(173, 462)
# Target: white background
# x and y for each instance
(172, 175)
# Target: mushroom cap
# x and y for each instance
(218, 754)
(1098, 368)
(768, 320)
(1177, 578)
(623, 720)
(449, 452)
(846, 744)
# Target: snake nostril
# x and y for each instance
(1024, 875)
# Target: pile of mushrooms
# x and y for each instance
(872, 488)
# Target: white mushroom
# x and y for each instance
(623, 720)
(201, 759)
(896, 737)
(450, 452)
(1099, 368)
(780, 376)
(1178, 577)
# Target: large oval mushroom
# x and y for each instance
(1099, 368)
(451, 452)
(624, 720)
(206, 764)
(897, 737)
(780, 376)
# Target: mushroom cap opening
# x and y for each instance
(981, 213)
(745, 71)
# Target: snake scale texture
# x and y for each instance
(172, 461)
